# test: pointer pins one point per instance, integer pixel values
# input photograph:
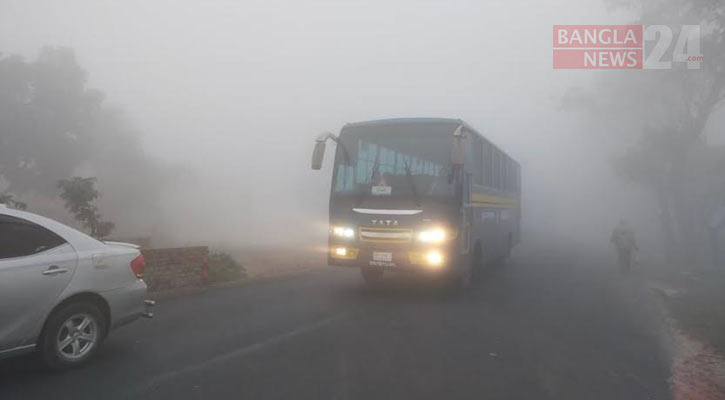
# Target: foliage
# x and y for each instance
(10, 201)
(223, 267)
(47, 119)
(668, 110)
(79, 195)
(52, 126)
(649, 162)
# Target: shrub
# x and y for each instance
(223, 267)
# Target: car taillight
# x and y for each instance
(138, 265)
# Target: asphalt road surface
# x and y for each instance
(548, 325)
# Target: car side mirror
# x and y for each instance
(458, 150)
(318, 153)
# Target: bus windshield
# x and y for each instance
(394, 160)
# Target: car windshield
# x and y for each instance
(394, 160)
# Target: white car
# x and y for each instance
(62, 291)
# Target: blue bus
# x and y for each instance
(420, 195)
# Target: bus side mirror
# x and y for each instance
(318, 153)
(458, 150)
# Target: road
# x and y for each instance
(549, 325)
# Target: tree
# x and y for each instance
(52, 126)
(79, 195)
(47, 119)
(669, 111)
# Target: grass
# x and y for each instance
(700, 307)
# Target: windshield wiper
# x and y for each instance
(376, 166)
(411, 181)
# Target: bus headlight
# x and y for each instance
(434, 235)
(344, 253)
(434, 258)
(343, 232)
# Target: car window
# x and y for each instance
(19, 238)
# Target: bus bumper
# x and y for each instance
(429, 261)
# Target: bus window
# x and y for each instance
(487, 170)
(507, 164)
(504, 172)
(501, 171)
(496, 169)
(477, 153)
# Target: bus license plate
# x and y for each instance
(382, 256)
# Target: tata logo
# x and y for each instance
(386, 222)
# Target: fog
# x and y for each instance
(228, 97)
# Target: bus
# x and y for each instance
(420, 195)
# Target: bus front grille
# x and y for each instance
(386, 235)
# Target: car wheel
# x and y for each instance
(72, 335)
(372, 277)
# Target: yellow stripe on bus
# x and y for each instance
(487, 200)
(491, 205)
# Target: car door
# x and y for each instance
(35, 266)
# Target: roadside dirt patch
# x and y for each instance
(694, 301)
(697, 371)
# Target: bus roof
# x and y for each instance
(424, 120)
(406, 121)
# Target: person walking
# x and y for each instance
(623, 239)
